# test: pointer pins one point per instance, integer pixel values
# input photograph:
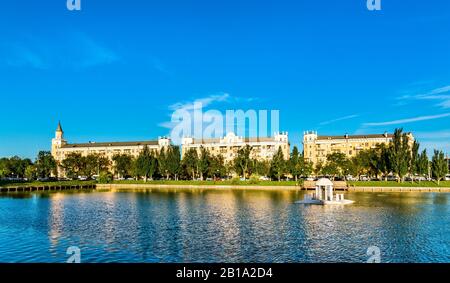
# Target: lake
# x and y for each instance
(222, 226)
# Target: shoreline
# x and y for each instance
(398, 189)
(174, 187)
(265, 188)
(195, 187)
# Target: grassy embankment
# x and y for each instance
(211, 183)
(423, 184)
(5, 184)
(158, 182)
(427, 184)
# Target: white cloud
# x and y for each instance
(338, 119)
(73, 50)
(407, 120)
(205, 101)
(441, 95)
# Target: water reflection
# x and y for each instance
(222, 226)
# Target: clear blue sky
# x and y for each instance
(115, 70)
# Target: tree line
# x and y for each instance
(18, 168)
(400, 158)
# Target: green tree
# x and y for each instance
(72, 165)
(203, 162)
(163, 163)
(94, 164)
(384, 163)
(295, 167)
(173, 161)
(190, 162)
(399, 154)
(336, 164)
(45, 164)
(262, 167)
(4, 168)
(306, 168)
(423, 164)
(30, 172)
(318, 168)
(105, 177)
(413, 162)
(123, 164)
(439, 166)
(146, 164)
(242, 161)
(217, 167)
(278, 165)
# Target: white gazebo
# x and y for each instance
(324, 194)
(324, 189)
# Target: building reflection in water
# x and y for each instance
(56, 220)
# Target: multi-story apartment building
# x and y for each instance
(61, 148)
(316, 148)
(228, 146)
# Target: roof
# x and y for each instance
(324, 182)
(59, 128)
(375, 136)
(110, 144)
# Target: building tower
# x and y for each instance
(58, 141)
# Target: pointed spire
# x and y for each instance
(59, 129)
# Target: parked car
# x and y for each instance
(447, 178)
(392, 178)
(351, 178)
(364, 178)
(82, 178)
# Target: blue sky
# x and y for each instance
(117, 69)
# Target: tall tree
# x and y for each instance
(318, 168)
(123, 163)
(45, 164)
(306, 168)
(400, 154)
(294, 163)
(439, 166)
(262, 167)
(423, 164)
(173, 161)
(336, 164)
(242, 161)
(190, 162)
(278, 165)
(146, 164)
(216, 166)
(30, 172)
(384, 163)
(72, 165)
(163, 163)
(413, 162)
(203, 162)
(4, 168)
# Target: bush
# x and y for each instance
(235, 181)
(254, 180)
(105, 178)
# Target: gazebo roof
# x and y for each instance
(324, 182)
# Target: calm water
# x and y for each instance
(225, 226)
